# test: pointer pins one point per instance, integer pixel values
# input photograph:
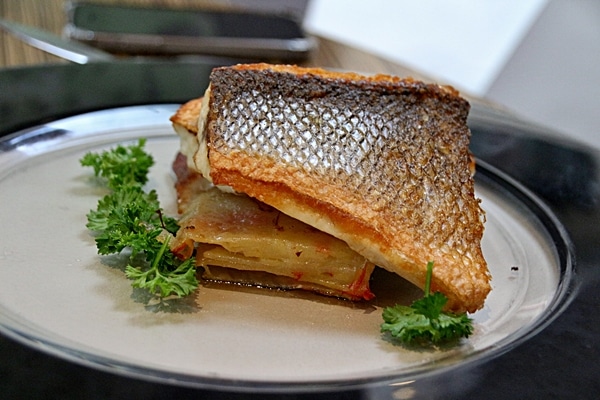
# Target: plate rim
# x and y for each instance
(564, 294)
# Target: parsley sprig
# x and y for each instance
(121, 166)
(130, 218)
(424, 320)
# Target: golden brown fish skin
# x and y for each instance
(187, 115)
(381, 162)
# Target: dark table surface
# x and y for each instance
(562, 361)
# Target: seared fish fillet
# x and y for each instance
(379, 162)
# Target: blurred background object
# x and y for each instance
(166, 31)
(539, 59)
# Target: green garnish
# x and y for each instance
(130, 218)
(424, 320)
(120, 166)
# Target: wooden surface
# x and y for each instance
(49, 15)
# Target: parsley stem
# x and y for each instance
(160, 253)
(428, 278)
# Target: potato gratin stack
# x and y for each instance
(303, 178)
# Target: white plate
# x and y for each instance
(58, 295)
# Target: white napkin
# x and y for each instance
(462, 42)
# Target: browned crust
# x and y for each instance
(379, 79)
(383, 214)
(187, 115)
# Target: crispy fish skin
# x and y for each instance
(379, 162)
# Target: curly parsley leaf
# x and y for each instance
(128, 205)
(166, 276)
(121, 165)
(130, 218)
(425, 319)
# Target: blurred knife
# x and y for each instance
(50, 43)
(81, 53)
